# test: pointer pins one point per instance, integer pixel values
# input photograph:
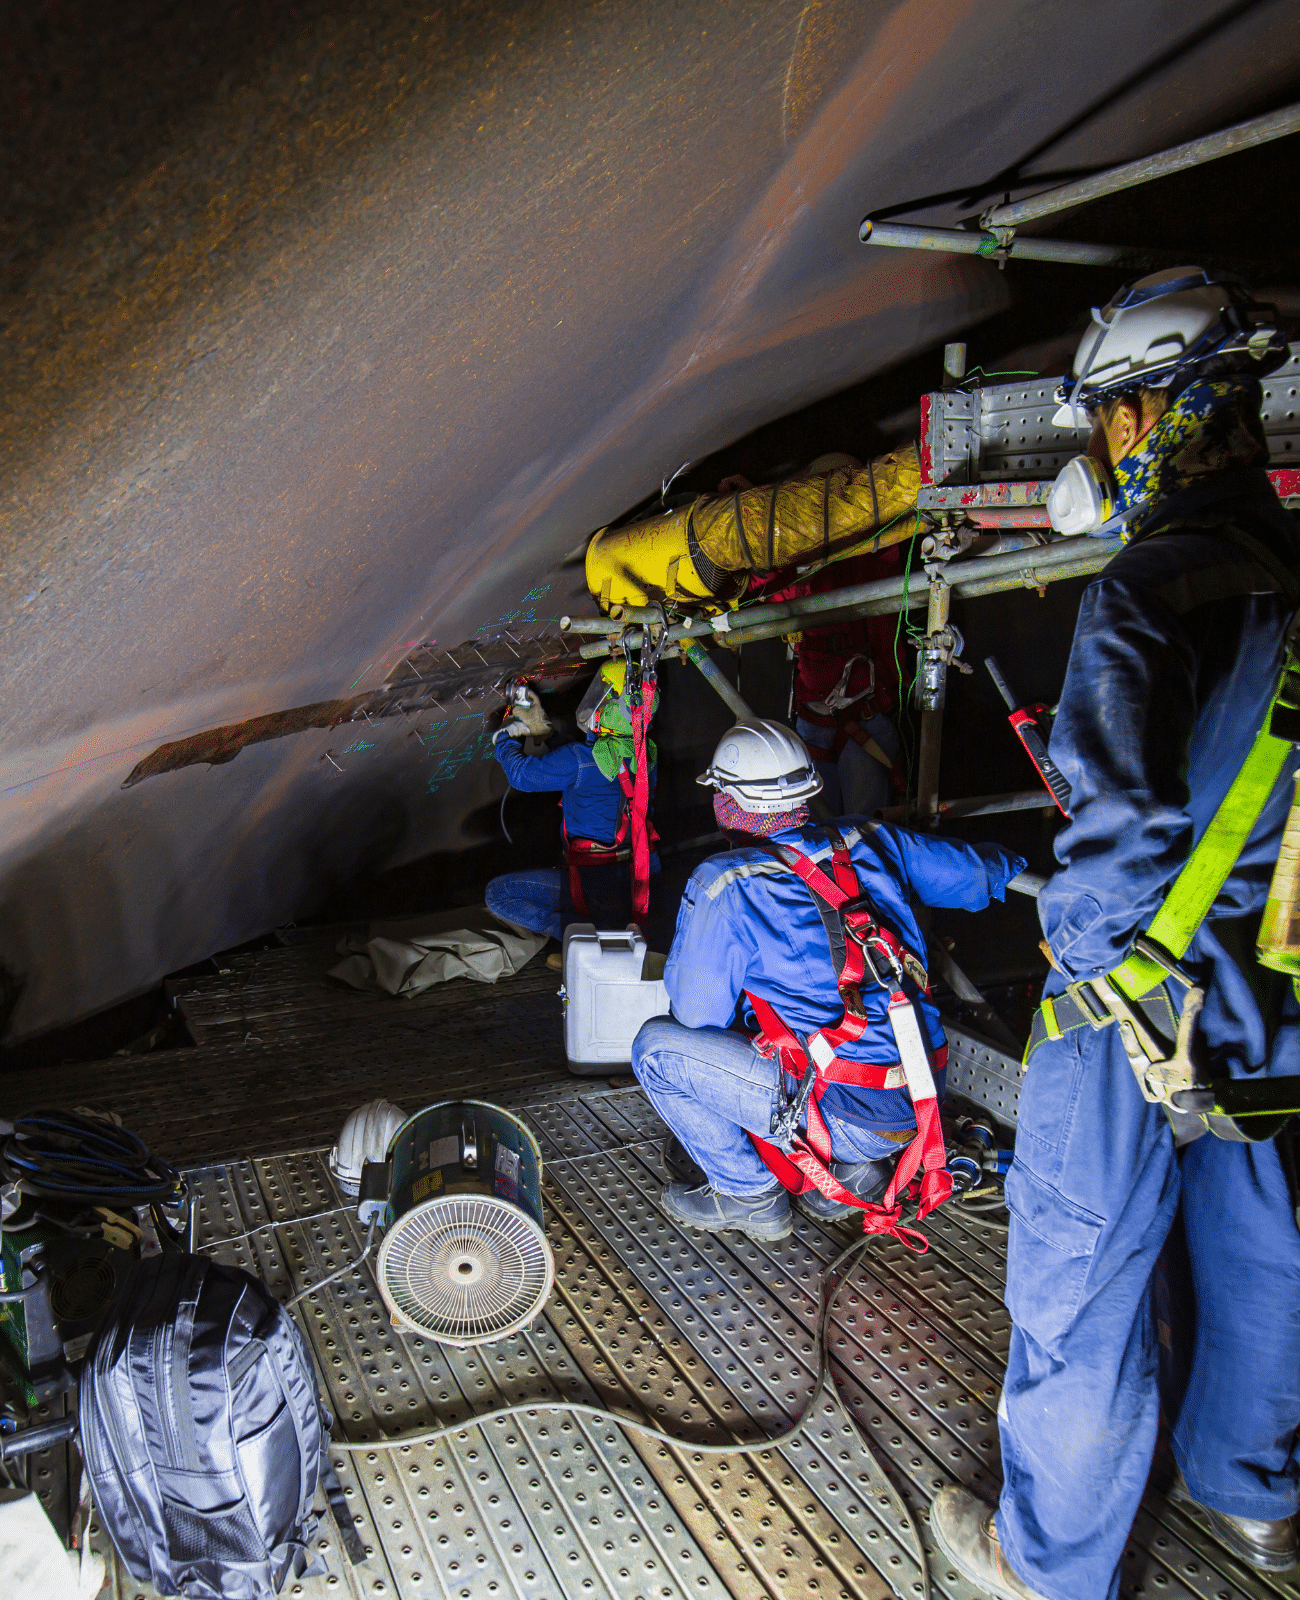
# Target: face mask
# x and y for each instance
(1082, 500)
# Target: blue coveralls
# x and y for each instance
(593, 805)
(1173, 665)
(747, 923)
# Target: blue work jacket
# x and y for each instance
(748, 923)
(1174, 663)
(592, 802)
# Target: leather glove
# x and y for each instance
(528, 711)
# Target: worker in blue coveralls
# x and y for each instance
(748, 926)
(593, 780)
(1171, 676)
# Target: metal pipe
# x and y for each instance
(976, 575)
(956, 573)
(626, 614)
(966, 991)
(589, 625)
(40, 1438)
(964, 242)
(1036, 576)
(984, 805)
(1241, 136)
(871, 608)
(699, 657)
(932, 683)
(680, 630)
(1030, 883)
(992, 805)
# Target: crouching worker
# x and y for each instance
(608, 839)
(833, 1095)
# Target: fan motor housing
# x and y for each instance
(465, 1259)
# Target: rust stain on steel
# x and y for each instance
(219, 745)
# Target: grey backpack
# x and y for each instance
(204, 1435)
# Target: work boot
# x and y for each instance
(866, 1179)
(1266, 1546)
(679, 1163)
(762, 1216)
(964, 1530)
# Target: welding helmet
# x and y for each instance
(763, 767)
(1164, 330)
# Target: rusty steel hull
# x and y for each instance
(387, 313)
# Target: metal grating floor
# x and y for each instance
(708, 1337)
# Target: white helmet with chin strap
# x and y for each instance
(1164, 330)
(763, 767)
(1158, 333)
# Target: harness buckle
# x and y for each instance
(1096, 1010)
(1161, 1073)
(785, 1124)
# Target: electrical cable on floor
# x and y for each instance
(63, 1155)
(282, 1222)
(830, 1291)
(330, 1278)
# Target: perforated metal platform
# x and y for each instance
(711, 1338)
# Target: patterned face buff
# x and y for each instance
(1212, 426)
(758, 824)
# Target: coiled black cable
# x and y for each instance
(63, 1155)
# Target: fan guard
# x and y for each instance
(465, 1269)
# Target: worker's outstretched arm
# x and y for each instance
(945, 872)
(710, 956)
(555, 769)
(1121, 738)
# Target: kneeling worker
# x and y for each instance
(608, 842)
(815, 927)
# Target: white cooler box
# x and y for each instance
(612, 984)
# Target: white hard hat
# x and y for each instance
(363, 1137)
(1166, 329)
(763, 767)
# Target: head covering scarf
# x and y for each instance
(1212, 426)
(757, 824)
(613, 737)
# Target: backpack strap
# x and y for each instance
(346, 1523)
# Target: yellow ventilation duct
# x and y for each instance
(701, 552)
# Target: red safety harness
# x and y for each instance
(860, 949)
(634, 819)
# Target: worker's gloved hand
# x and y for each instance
(514, 729)
(528, 711)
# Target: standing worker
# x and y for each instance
(608, 838)
(837, 1098)
(1168, 701)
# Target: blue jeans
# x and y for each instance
(1093, 1194)
(540, 900)
(713, 1089)
(856, 784)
